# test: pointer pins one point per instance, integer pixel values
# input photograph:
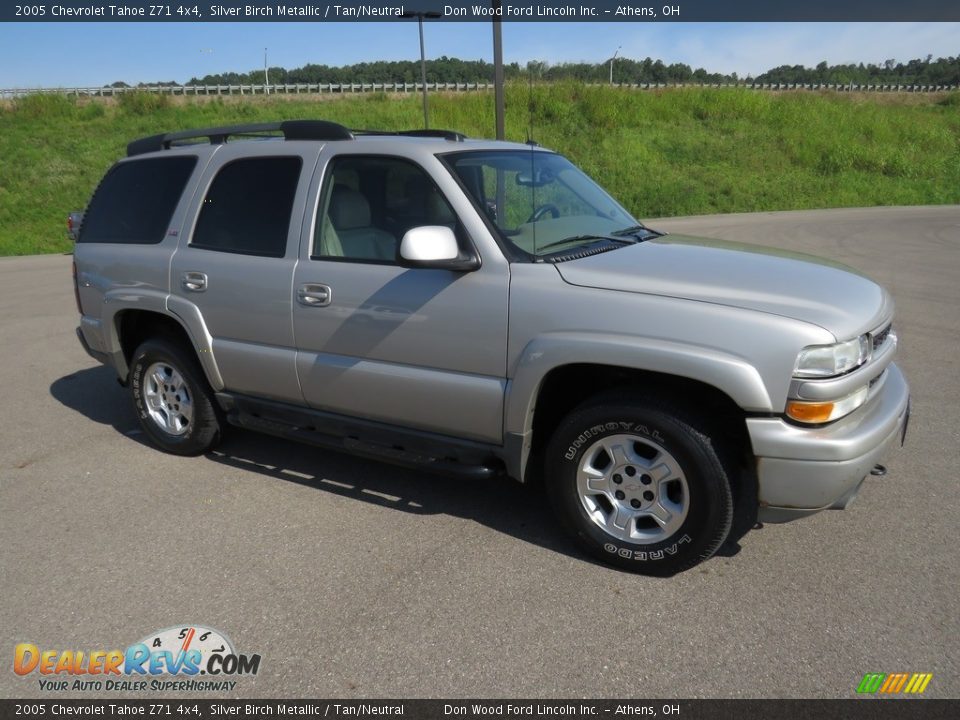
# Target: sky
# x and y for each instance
(35, 55)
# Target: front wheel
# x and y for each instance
(639, 486)
(173, 400)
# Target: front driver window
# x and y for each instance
(369, 203)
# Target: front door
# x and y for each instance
(421, 348)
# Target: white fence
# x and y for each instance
(332, 88)
(323, 88)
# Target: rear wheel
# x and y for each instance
(639, 485)
(174, 402)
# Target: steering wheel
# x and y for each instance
(538, 214)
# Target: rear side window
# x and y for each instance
(135, 201)
(247, 209)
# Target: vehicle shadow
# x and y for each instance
(95, 394)
(518, 510)
(501, 504)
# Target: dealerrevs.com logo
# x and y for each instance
(184, 657)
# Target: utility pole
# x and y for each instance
(611, 63)
(205, 51)
(423, 74)
(266, 75)
(498, 70)
(498, 100)
(423, 59)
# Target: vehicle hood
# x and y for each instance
(794, 285)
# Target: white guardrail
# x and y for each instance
(331, 88)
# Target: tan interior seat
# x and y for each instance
(350, 217)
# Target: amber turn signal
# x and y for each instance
(813, 413)
(806, 412)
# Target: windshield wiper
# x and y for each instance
(636, 230)
(581, 238)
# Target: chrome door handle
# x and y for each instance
(314, 295)
(194, 281)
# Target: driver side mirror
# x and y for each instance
(434, 246)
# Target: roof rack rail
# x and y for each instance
(445, 134)
(451, 135)
(291, 129)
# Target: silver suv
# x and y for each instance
(480, 308)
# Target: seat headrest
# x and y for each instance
(349, 209)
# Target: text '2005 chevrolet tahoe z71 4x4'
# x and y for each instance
(479, 307)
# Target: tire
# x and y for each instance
(172, 399)
(638, 485)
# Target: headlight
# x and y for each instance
(822, 361)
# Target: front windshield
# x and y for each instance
(539, 201)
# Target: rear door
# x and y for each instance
(235, 264)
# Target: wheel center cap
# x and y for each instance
(631, 491)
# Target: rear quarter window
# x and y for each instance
(136, 200)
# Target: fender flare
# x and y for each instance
(182, 312)
(728, 373)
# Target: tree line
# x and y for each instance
(925, 71)
(942, 71)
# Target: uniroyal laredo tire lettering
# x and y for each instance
(592, 432)
(138, 397)
(689, 446)
(643, 555)
(135, 382)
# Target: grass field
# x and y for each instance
(673, 152)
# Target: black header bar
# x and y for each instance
(481, 11)
(187, 706)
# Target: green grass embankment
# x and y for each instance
(672, 152)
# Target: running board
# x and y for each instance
(364, 438)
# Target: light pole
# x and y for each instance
(205, 51)
(611, 62)
(423, 58)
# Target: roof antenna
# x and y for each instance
(531, 144)
(530, 140)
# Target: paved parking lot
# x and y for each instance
(354, 579)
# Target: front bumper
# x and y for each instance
(801, 471)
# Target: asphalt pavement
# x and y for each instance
(354, 579)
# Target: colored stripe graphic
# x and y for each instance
(889, 682)
(927, 677)
(871, 682)
(893, 683)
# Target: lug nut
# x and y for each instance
(646, 479)
(617, 478)
(619, 494)
(631, 471)
(635, 503)
(648, 496)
